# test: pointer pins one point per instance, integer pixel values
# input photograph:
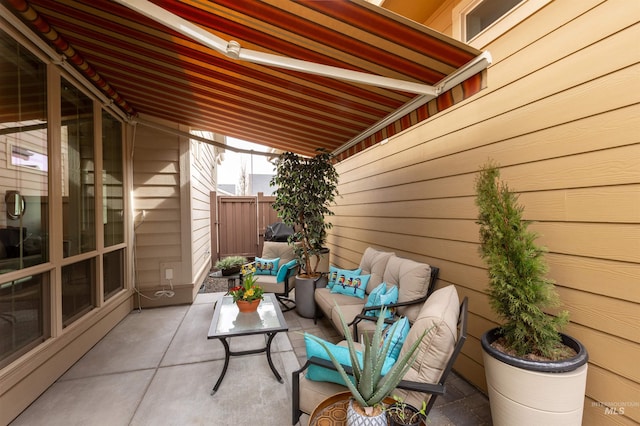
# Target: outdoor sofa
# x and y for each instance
(414, 281)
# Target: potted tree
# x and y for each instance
(306, 188)
(535, 374)
(368, 387)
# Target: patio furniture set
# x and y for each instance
(404, 286)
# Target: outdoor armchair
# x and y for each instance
(446, 322)
(283, 279)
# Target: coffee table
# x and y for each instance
(229, 322)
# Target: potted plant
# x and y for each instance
(535, 374)
(402, 414)
(230, 265)
(367, 385)
(306, 188)
(247, 296)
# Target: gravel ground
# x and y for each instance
(213, 284)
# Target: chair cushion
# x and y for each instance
(374, 262)
(351, 284)
(382, 295)
(440, 313)
(283, 269)
(266, 266)
(412, 279)
(335, 273)
(273, 249)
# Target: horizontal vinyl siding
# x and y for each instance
(156, 190)
(202, 183)
(562, 117)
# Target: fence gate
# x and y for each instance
(239, 222)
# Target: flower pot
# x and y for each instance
(525, 392)
(231, 271)
(409, 410)
(244, 306)
(357, 418)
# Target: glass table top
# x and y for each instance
(229, 321)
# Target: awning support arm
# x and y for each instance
(232, 49)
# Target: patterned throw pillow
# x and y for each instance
(351, 284)
(334, 273)
(266, 266)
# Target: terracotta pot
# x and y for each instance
(244, 306)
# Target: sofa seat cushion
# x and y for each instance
(439, 315)
(412, 279)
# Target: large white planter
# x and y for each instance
(523, 392)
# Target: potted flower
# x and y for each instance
(230, 265)
(535, 374)
(247, 295)
(402, 414)
(306, 188)
(367, 385)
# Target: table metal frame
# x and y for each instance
(225, 336)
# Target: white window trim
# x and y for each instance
(516, 15)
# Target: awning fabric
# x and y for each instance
(150, 69)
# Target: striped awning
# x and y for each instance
(148, 68)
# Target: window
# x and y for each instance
(113, 272)
(479, 22)
(78, 290)
(112, 184)
(78, 203)
(24, 224)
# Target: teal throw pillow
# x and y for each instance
(266, 266)
(282, 271)
(397, 332)
(351, 284)
(341, 353)
(382, 295)
(334, 273)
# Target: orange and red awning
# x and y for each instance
(148, 68)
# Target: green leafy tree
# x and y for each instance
(519, 292)
(306, 188)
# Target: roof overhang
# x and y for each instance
(296, 76)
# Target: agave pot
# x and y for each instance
(524, 392)
(355, 418)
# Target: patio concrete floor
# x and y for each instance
(157, 368)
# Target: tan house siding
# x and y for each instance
(203, 181)
(157, 212)
(562, 116)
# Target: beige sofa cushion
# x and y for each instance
(374, 263)
(440, 313)
(412, 279)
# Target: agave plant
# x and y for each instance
(369, 388)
